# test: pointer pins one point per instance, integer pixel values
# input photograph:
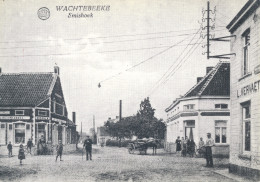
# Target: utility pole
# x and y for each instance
(81, 132)
(211, 37)
(94, 124)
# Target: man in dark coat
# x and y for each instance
(88, 147)
(209, 144)
(29, 145)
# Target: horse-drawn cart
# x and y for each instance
(137, 146)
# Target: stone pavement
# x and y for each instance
(112, 164)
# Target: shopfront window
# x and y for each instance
(19, 133)
(221, 131)
(246, 108)
(41, 130)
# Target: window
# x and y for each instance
(246, 115)
(59, 109)
(188, 107)
(246, 40)
(28, 126)
(220, 131)
(19, 112)
(10, 126)
(19, 133)
(2, 125)
(42, 113)
(221, 106)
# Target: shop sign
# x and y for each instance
(5, 112)
(42, 118)
(248, 89)
(15, 117)
(59, 120)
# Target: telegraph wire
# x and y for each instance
(129, 40)
(113, 36)
(167, 72)
(157, 54)
(190, 53)
(109, 51)
(173, 72)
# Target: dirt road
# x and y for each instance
(111, 164)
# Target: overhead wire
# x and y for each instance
(157, 54)
(107, 42)
(170, 68)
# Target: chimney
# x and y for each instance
(120, 110)
(198, 79)
(208, 69)
(109, 118)
(74, 117)
(57, 70)
(0, 70)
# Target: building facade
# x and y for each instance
(204, 108)
(32, 105)
(245, 95)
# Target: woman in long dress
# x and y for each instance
(178, 144)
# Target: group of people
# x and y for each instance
(41, 148)
(187, 146)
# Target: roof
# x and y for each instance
(243, 14)
(25, 89)
(102, 131)
(215, 83)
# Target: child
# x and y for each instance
(21, 155)
(59, 150)
(10, 148)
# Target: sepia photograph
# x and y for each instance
(130, 90)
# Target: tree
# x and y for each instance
(143, 124)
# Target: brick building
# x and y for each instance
(204, 108)
(31, 105)
(245, 95)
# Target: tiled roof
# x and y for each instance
(25, 89)
(215, 83)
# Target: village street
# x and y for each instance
(111, 164)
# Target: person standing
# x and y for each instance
(201, 147)
(41, 146)
(21, 155)
(178, 144)
(88, 147)
(59, 150)
(182, 144)
(10, 149)
(29, 145)
(209, 144)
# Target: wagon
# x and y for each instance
(140, 146)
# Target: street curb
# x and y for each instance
(225, 173)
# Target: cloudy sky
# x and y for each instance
(138, 48)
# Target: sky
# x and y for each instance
(137, 49)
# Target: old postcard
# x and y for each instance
(129, 90)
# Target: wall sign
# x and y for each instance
(5, 112)
(42, 118)
(59, 120)
(248, 89)
(15, 117)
